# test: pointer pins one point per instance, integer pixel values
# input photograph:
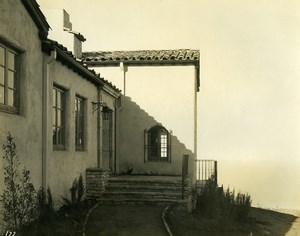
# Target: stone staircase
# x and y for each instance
(147, 190)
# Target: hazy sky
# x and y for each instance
(249, 109)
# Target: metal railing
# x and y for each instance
(206, 169)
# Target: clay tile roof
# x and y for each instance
(145, 58)
(179, 56)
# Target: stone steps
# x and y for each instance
(141, 195)
(138, 201)
(134, 188)
(148, 190)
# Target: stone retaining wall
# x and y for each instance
(96, 182)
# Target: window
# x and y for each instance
(58, 118)
(8, 79)
(157, 144)
(79, 123)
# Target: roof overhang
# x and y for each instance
(77, 66)
(38, 17)
(180, 57)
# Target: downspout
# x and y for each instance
(45, 103)
(99, 130)
(115, 137)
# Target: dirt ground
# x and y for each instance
(126, 220)
(146, 220)
(276, 223)
(261, 222)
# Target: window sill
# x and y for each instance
(159, 160)
(9, 109)
(79, 149)
(59, 148)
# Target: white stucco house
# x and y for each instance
(67, 120)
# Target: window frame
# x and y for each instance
(157, 144)
(5, 107)
(80, 122)
(62, 109)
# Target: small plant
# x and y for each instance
(242, 205)
(19, 198)
(76, 193)
(80, 189)
(45, 204)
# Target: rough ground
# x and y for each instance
(261, 222)
(126, 220)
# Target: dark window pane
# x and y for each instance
(1, 75)
(11, 61)
(1, 94)
(54, 116)
(80, 138)
(60, 136)
(79, 129)
(54, 135)
(2, 56)
(54, 97)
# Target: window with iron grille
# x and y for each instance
(58, 111)
(157, 144)
(9, 82)
(79, 123)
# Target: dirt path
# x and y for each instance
(126, 220)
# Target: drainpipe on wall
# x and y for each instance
(99, 131)
(115, 136)
(45, 103)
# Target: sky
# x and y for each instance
(248, 105)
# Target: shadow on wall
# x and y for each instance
(133, 144)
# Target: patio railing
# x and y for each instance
(206, 169)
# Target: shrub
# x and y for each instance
(215, 203)
(242, 206)
(45, 204)
(76, 193)
(207, 202)
(19, 197)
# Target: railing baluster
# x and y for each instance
(206, 169)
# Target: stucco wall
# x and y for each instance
(18, 29)
(132, 121)
(64, 166)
